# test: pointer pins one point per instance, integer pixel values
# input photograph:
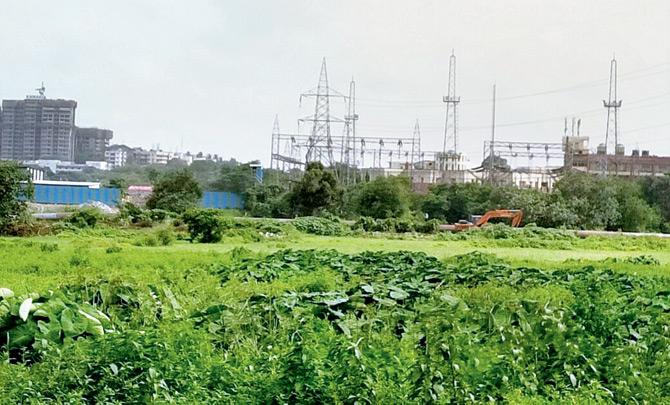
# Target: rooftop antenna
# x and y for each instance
(41, 90)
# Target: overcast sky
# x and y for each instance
(213, 74)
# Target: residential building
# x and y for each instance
(91, 143)
(117, 155)
(37, 128)
(158, 157)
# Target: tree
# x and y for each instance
(316, 190)
(453, 202)
(656, 192)
(236, 179)
(269, 201)
(176, 191)
(383, 197)
(15, 189)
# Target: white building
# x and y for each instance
(116, 157)
(158, 157)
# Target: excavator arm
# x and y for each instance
(515, 215)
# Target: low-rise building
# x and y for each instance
(117, 156)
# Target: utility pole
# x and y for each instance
(451, 100)
(612, 104)
(493, 135)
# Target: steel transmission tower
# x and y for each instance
(320, 147)
(451, 100)
(349, 144)
(612, 104)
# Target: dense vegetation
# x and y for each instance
(102, 319)
(15, 189)
(579, 201)
(175, 192)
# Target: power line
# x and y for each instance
(529, 122)
(391, 103)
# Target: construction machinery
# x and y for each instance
(477, 221)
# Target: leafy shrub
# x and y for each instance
(86, 217)
(161, 237)
(428, 227)
(364, 223)
(404, 225)
(31, 323)
(165, 236)
(49, 247)
(113, 249)
(79, 259)
(204, 225)
(319, 226)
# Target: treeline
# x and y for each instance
(578, 201)
(229, 175)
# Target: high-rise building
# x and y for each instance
(90, 144)
(37, 128)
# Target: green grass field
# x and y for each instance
(245, 321)
(25, 266)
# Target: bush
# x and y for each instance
(204, 225)
(404, 225)
(430, 226)
(319, 226)
(165, 236)
(86, 217)
(366, 224)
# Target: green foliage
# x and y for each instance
(579, 201)
(143, 217)
(15, 189)
(320, 226)
(204, 225)
(235, 178)
(383, 197)
(270, 201)
(31, 323)
(161, 237)
(228, 324)
(402, 225)
(317, 190)
(85, 217)
(607, 203)
(175, 191)
(656, 191)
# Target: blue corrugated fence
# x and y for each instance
(221, 200)
(74, 195)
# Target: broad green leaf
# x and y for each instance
(24, 309)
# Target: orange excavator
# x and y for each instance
(480, 220)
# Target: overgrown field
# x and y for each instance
(110, 315)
